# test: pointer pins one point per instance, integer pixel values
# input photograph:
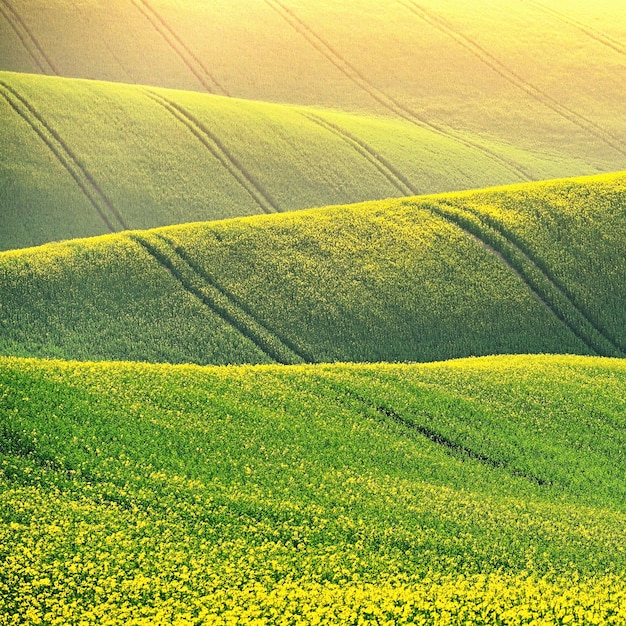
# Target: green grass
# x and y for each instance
(84, 158)
(524, 269)
(523, 76)
(481, 490)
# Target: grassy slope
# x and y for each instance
(527, 74)
(487, 487)
(528, 268)
(86, 158)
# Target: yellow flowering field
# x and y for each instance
(479, 491)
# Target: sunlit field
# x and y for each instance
(540, 75)
(312, 312)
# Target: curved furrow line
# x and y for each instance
(530, 274)
(366, 151)
(180, 48)
(162, 252)
(21, 36)
(25, 36)
(449, 445)
(107, 212)
(104, 40)
(591, 32)
(483, 55)
(294, 353)
(391, 104)
(163, 259)
(211, 142)
(541, 267)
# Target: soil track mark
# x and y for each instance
(564, 292)
(65, 156)
(180, 48)
(392, 104)
(85, 20)
(301, 355)
(531, 274)
(213, 144)
(594, 33)
(432, 435)
(367, 152)
(513, 77)
(28, 39)
(217, 300)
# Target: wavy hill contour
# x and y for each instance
(84, 158)
(523, 269)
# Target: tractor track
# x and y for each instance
(531, 274)
(213, 144)
(393, 105)
(180, 48)
(450, 446)
(367, 152)
(65, 156)
(513, 77)
(217, 300)
(549, 277)
(593, 33)
(25, 35)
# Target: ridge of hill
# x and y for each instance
(83, 158)
(529, 268)
(485, 490)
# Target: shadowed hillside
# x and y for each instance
(84, 158)
(529, 268)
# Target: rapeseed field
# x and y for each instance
(220, 405)
(505, 270)
(483, 491)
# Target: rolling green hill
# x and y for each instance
(527, 74)
(480, 491)
(84, 158)
(524, 269)
(240, 276)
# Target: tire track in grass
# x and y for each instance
(28, 39)
(180, 48)
(546, 291)
(214, 299)
(594, 33)
(65, 156)
(392, 104)
(512, 77)
(449, 445)
(85, 20)
(541, 267)
(213, 144)
(301, 354)
(366, 151)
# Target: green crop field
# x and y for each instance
(480, 491)
(312, 312)
(85, 158)
(530, 74)
(507, 270)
